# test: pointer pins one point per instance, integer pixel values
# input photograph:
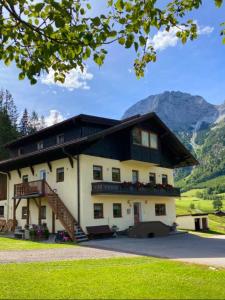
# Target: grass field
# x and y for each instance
(12, 244)
(216, 224)
(118, 278)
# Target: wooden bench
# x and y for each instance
(99, 231)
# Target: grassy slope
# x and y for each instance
(118, 278)
(216, 224)
(12, 244)
(220, 180)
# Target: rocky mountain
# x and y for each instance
(199, 124)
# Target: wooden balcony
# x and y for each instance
(112, 188)
(30, 189)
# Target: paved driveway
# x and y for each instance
(183, 247)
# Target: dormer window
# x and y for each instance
(60, 138)
(145, 138)
(20, 151)
(40, 145)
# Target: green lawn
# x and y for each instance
(117, 278)
(13, 244)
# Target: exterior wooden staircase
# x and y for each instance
(40, 188)
(63, 214)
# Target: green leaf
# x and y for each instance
(122, 41)
(218, 2)
(21, 76)
(129, 41)
(38, 7)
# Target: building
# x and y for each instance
(92, 171)
(197, 222)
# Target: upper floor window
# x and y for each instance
(97, 173)
(115, 174)
(60, 175)
(135, 176)
(40, 145)
(145, 138)
(25, 178)
(164, 179)
(152, 178)
(160, 209)
(2, 211)
(20, 151)
(60, 138)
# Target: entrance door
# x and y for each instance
(197, 224)
(204, 224)
(137, 213)
(42, 174)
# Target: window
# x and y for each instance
(25, 178)
(40, 145)
(164, 179)
(97, 173)
(145, 138)
(60, 138)
(160, 209)
(115, 174)
(24, 212)
(152, 178)
(20, 151)
(117, 210)
(60, 175)
(2, 211)
(135, 176)
(153, 140)
(43, 212)
(42, 174)
(136, 134)
(98, 210)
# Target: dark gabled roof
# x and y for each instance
(68, 122)
(59, 151)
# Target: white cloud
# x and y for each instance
(54, 117)
(164, 39)
(75, 79)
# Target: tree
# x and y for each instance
(24, 123)
(33, 123)
(62, 34)
(7, 104)
(8, 133)
(217, 204)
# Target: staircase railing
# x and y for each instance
(60, 210)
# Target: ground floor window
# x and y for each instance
(2, 211)
(98, 210)
(117, 210)
(43, 212)
(24, 212)
(160, 209)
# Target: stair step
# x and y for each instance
(84, 239)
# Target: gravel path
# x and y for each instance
(58, 254)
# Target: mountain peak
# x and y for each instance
(180, 111)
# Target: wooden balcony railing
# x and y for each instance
(32, 188)
(134, 189)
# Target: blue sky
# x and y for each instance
(197, 67)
